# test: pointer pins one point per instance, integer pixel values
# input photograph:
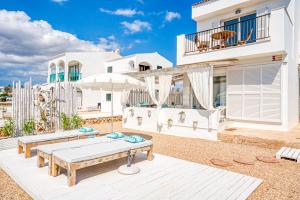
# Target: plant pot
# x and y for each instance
(149, 113)
(140, 120)
(170, 123)
(182, 116)
(195, 125)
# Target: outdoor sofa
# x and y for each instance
(25, 143)
(74, 159)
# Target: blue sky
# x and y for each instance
(34, 30)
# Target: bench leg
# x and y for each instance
(150, 154)
(50, 166)
(55, 169)
(40, 161)
(27, 151)
(20, 149)
(71, 175)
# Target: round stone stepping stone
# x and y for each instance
(221, 163)
(244, 161)
(267, 159)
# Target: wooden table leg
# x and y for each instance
(40, 161)
(71, 175)
(150, 154)
(20, 148)
(55, 169)
(27, 151)
(50, 166)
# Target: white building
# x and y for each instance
(253, 48)
(75, 66)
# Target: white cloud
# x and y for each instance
(136, 26)
(170, 16)
(122, 12)
(140, 1)
(30, 43)
(59, 1)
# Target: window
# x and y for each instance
(159, 67)
(108, 97)
(109, 69)
(245, 27)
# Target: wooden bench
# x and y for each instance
(44, 152)
(26, 143)
(99, 153)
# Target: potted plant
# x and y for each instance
(182, 116)
(131, 111)
(29, 127)
(140, 119)
(170, 123)
(195, 124)
(149, 113)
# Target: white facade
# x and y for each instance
(131, 63)
(87, 63)
(74, 66)
(259, 60)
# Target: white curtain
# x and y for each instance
(164, 87)
(200, 83)
(124, 97)
(150, 82)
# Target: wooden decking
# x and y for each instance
(163, 178)
(289, 153)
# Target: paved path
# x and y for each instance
(9, 143)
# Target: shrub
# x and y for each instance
(76, 121)
(29, 127)
(66, 121)
(9, 127)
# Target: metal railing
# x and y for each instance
(61, 76)
(52, 78)
(234, 34)
(74, 76)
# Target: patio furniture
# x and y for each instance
(289, 153)
(201, 45)
(86, 156)
(243, 42)
(25, 143)
(223, 36)
(44, 152)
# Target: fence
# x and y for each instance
(42, 104)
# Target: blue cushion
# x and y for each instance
(134, 139)
(86, 129)
(115, 135)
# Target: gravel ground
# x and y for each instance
(9, 190)
(280, 180)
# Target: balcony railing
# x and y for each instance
(233, 34)
(74, 76)
(61, 76)
(52, 78)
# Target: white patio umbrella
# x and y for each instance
(113, 82)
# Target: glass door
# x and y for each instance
(219, 91)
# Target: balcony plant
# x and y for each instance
(182, 116)
(131, 111)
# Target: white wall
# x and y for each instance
(178, 128)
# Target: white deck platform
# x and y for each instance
(290, 153)
(163, 178)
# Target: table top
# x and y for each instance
(223, 34)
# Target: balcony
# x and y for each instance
(61, 76)
(74, 76)
(52, 78)
(232, 34)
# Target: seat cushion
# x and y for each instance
(94, 151)
(50, 148)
